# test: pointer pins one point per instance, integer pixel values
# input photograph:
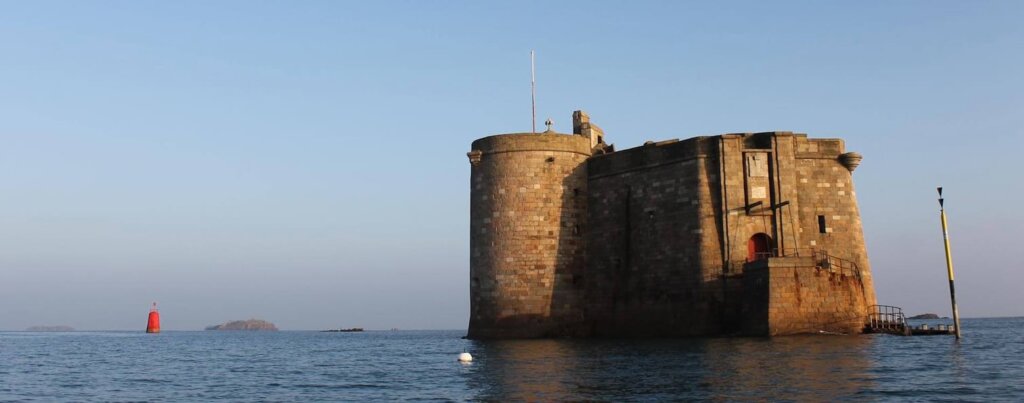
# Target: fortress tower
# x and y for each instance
(744, 233)
(527, 218)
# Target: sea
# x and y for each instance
(987, 364)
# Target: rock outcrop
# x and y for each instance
(57, 328)
(925, 316)
(251, 324)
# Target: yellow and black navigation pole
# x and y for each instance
(949, 266)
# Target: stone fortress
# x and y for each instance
(737, 234)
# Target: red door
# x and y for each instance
(758, 247)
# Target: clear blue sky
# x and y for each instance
(304, 162)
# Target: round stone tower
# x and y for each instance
(527, 219)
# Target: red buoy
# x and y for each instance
(154, 320)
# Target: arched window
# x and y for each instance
(759, 247)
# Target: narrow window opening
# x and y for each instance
(821, 224)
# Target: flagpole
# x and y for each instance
(533, 94)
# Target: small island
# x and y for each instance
(925, 316)
(251, 324)
(57, 328)
(352, 329)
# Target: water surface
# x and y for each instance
(988, 364)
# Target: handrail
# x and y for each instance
(832, 263)
(822, 259)
(886, 318)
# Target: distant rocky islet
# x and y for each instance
(56, 328)
(248, 325)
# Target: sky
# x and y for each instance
(304, 162)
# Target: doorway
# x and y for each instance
(759, 247)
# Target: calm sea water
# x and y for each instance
(988, 364)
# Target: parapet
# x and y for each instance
(648, 155)
(532, 142)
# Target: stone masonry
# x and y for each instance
(735, 234)
(527, 215)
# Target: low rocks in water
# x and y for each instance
(925, 316)
(57, 328)
(251, 324)
(352, 329)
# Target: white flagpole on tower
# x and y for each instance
(533, 94)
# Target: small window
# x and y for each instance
(821, 224)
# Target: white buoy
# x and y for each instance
(465, 357)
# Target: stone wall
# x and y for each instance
(653, 261)
(829, 216)
(794, 295)
(527, 218)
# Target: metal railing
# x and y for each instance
(789, 252)
(886, 318)
(837, 265)
(822, 260)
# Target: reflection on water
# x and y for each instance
(535, 369)
(801, 368)
(985, 365)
